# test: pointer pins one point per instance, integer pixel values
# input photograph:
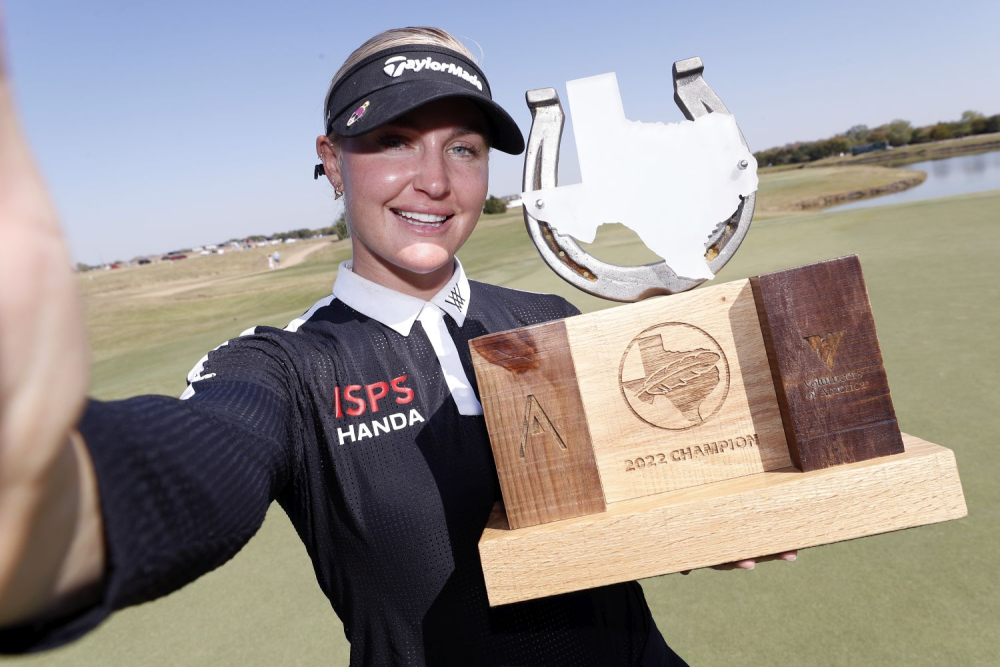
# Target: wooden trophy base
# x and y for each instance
(720, 522)
(730, 422)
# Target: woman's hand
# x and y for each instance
(750, 563)
(47, 493)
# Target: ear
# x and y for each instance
(328, 151)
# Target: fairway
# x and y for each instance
(928, 596)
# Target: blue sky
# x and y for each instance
(165, 125)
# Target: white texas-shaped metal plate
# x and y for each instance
(671, 183)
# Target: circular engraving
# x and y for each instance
(674, 376)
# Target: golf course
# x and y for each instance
(926, 596)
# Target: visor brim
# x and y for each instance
(392, 102)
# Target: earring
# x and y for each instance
(337, 192)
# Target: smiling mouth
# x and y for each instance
(422, 219)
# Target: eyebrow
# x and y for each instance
(407, 124)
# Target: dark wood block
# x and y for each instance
(826, 364)
(538, 427)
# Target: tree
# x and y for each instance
(800, 154)
(778, 156)
(817, 150)
(342, 229)
(494, 205)
(921, 135)
(900, 132)
(941, 131)
(857, 134)
(838, 144)
(879, 134)
(968, 123)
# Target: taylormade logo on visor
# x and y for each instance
(396, 65)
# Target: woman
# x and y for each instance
(360, 417)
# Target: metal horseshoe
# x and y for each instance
(573, 264)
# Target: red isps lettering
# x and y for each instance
(359, 403)
(406, 394)
(375, 392)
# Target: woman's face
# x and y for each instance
(414, 190)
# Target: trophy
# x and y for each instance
(696, 428)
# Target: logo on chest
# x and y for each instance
(382, 400)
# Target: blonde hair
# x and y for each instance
(398, 37)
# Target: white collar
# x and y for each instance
(394, 309)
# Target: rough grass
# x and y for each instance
(143, 325)
(928, 596)
(795, 190)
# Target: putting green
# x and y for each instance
(921, 597)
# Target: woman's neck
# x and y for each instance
(421, 285)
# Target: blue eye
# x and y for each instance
(465, 151)
(392, 141)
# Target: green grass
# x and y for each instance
(140, 335)
(785, 192)
(928, 596)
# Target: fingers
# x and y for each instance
(745, 564)
(785, 556)
(751, 563)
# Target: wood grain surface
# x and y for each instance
(538, 430)
(677, 391)
(826, 364)
(722, 522)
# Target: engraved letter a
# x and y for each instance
(536, 422)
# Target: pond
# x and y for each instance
(950, 176)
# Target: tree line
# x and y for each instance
(896, 133)
(339, 228)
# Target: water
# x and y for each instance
(950, 176)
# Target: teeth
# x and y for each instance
(422, 217)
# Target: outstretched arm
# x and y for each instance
(106, 505)
(51, 553)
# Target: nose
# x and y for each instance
(432, 177)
